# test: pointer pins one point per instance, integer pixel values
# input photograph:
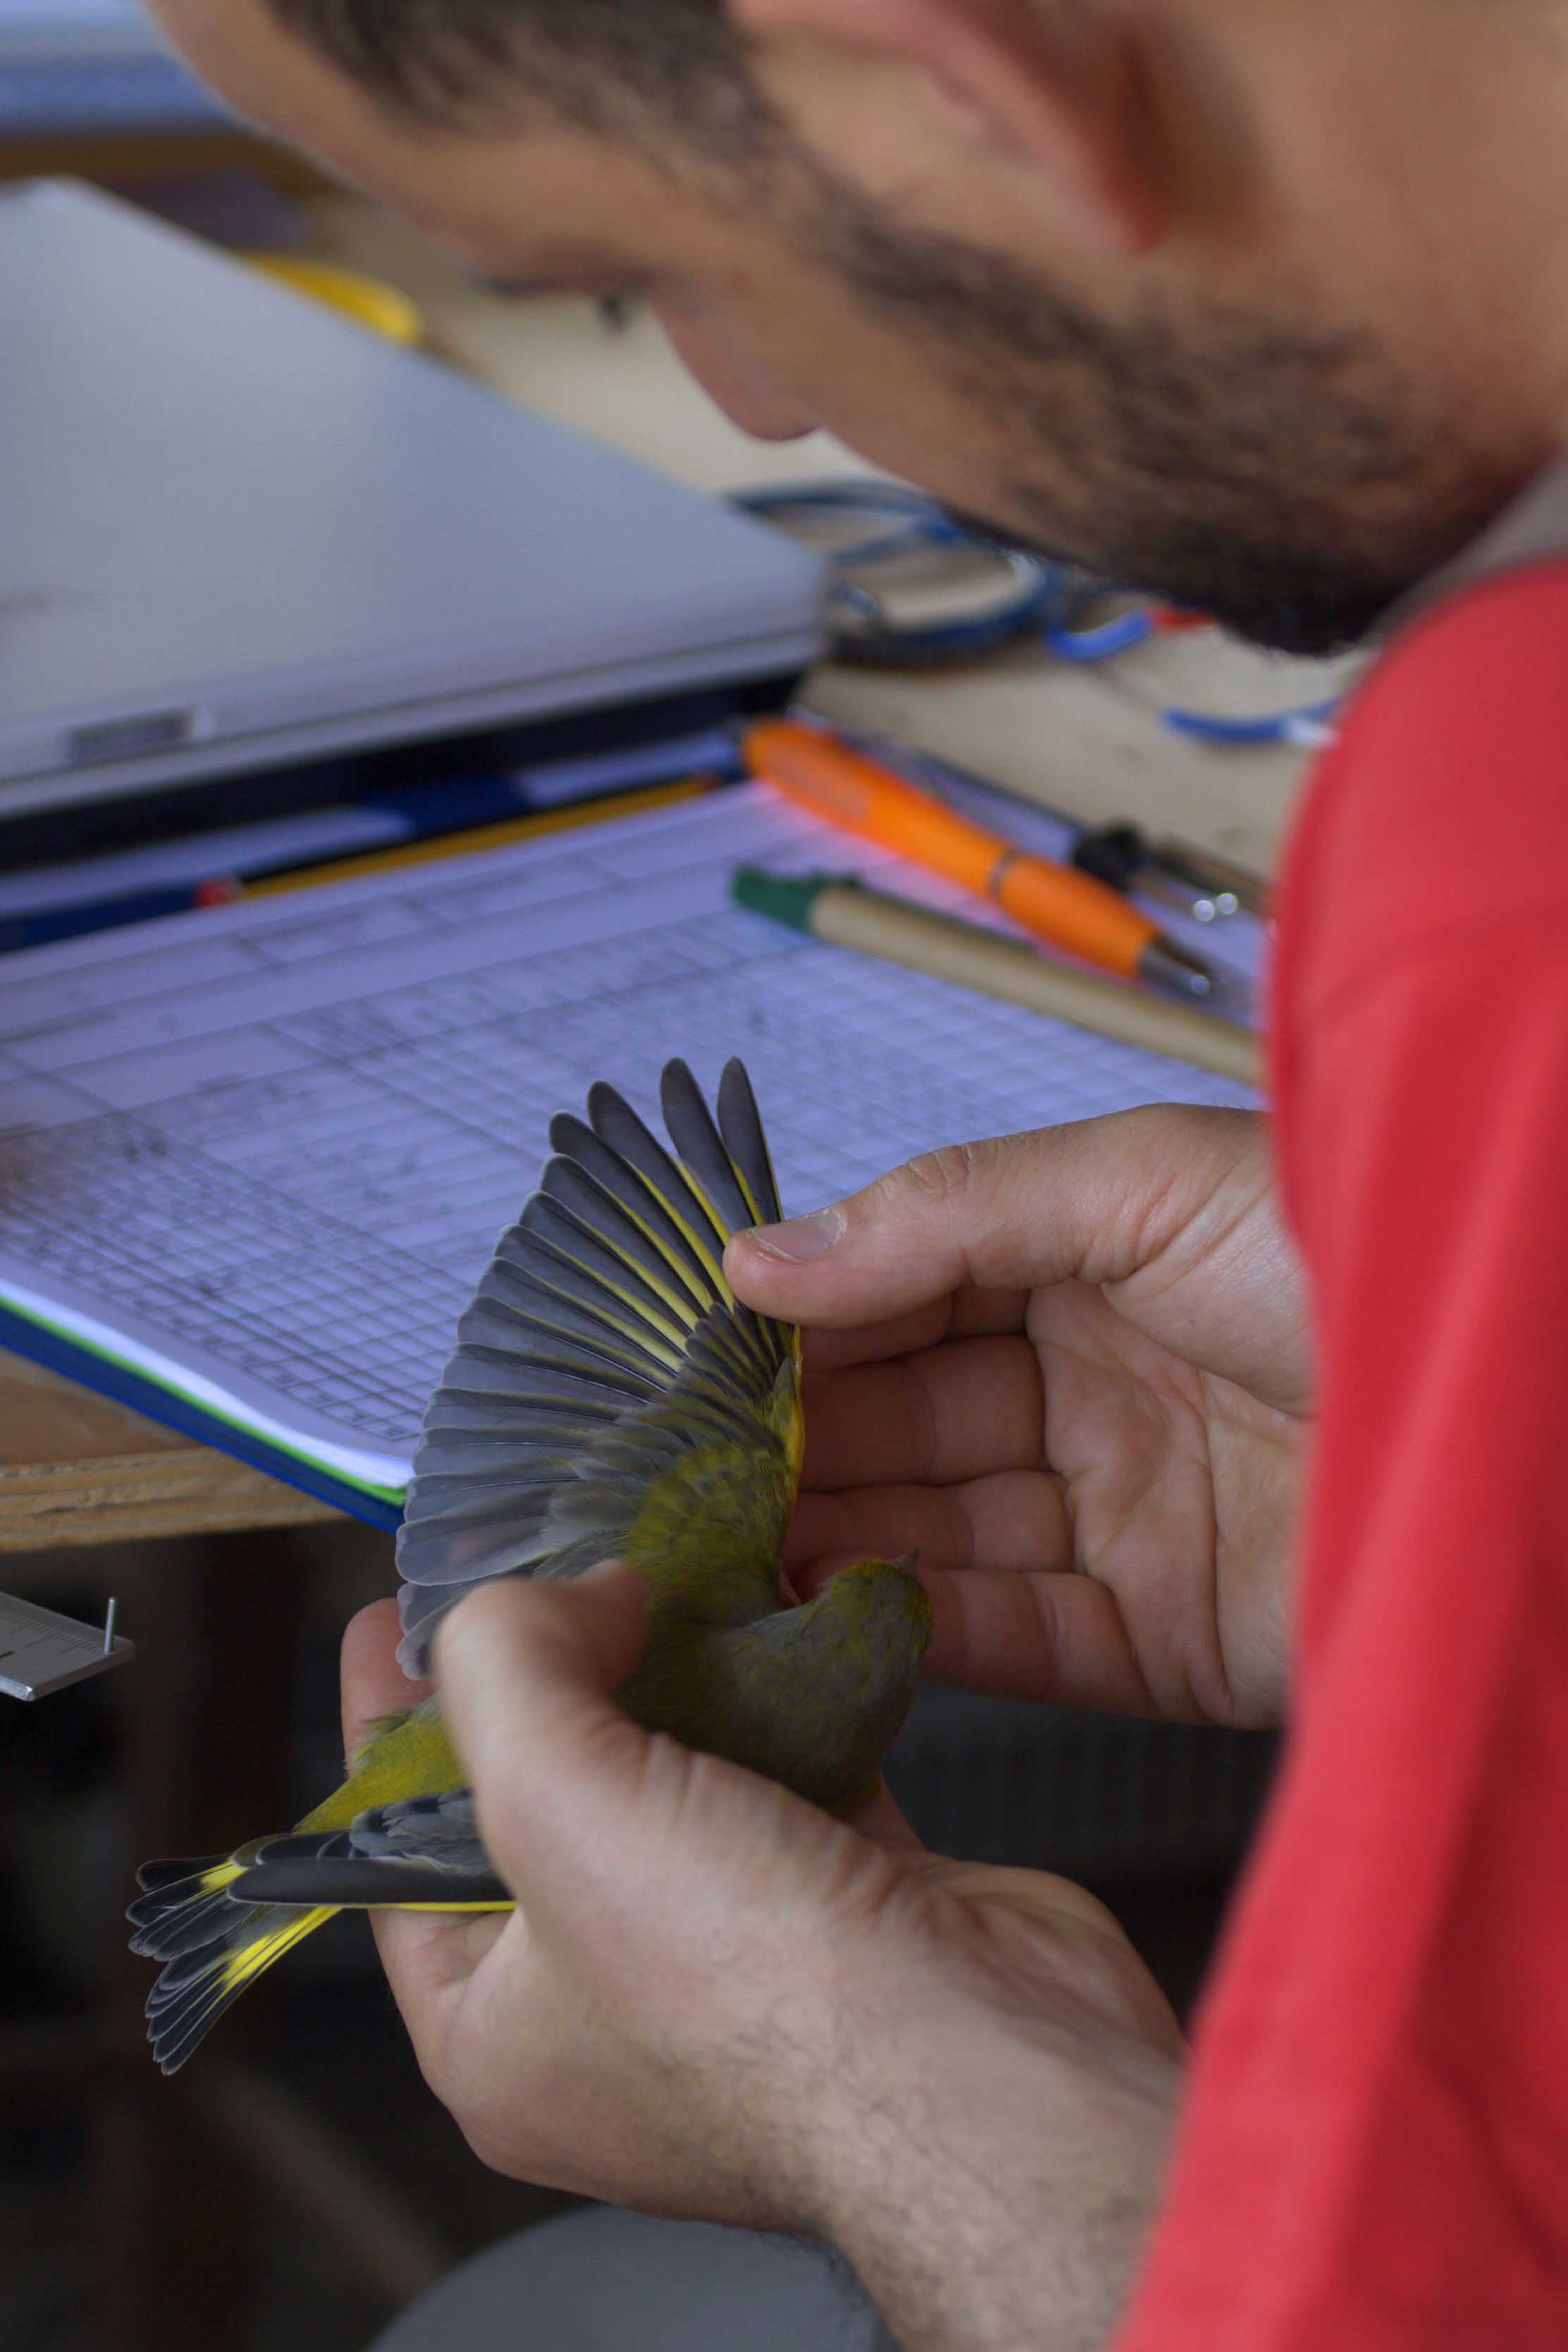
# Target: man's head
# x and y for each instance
(1252, 303)
(606, 65)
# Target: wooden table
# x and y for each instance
(77, 1470)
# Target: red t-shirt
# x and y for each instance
(1374, 2155)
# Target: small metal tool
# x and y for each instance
(1121, 855)
(42, 1650)
(1204, 870)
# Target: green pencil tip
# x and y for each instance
(788, 898)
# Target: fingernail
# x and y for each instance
(803, 1239)
(602, 1571)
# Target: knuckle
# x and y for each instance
(494, 2149)
(490, 2108)
(941, 1178)
(438, 2075)
(477, 1617)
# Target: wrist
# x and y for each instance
(977, 2168)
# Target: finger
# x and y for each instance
(373, 1685)
(429, 1958)
(958, 1411)
(883, 1821)
(1058, 1640)
(1015, 1522)
(967, 1314)
(1092, 1200)
(1041, 1897)
(1020, 1633)
(527, 1675)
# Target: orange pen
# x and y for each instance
(1067, 909)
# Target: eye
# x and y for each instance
(618, 290)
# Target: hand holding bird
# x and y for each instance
(713, 1998)
(609, 1397)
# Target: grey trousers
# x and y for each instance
(603, 2281)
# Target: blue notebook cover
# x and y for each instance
(58, 1354)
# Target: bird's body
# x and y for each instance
(609, 1398)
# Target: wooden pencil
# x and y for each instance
(847, 914)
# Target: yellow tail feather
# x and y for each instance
(195, 1989)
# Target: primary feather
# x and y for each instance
(608, 1397)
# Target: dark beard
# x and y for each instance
(1274, 478)
(1285, 600)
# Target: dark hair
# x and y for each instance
(604, 65)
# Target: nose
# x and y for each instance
(746, 397)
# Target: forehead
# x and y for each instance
(489, 199)
(275, 81)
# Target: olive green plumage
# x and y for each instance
(608, 1397)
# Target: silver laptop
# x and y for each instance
(236, 530)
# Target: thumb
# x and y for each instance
(527, 1673)
(1003, 1215)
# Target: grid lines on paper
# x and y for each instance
(295, 1172)
(331, 1319)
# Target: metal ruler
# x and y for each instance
(40, 1651)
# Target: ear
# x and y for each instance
(1064, 88)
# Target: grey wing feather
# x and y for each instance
(442, 1831)
(697, 1140)
(605, 1303)
(740, 1125)
(427, 1850)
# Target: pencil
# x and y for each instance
(844, 912)
(50, 924)
(434, 847)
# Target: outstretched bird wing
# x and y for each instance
(609, 1395)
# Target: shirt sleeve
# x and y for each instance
(1374, 2156)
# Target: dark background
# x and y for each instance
(296, 2184)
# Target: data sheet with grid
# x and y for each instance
(263, 1152)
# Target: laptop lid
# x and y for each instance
(235, 529)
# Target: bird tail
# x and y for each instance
(211, 1945)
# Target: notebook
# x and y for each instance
(254, 1160)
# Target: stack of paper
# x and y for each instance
(254, 1160)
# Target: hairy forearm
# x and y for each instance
(998, 2198)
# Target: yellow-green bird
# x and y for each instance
(609, 1397)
